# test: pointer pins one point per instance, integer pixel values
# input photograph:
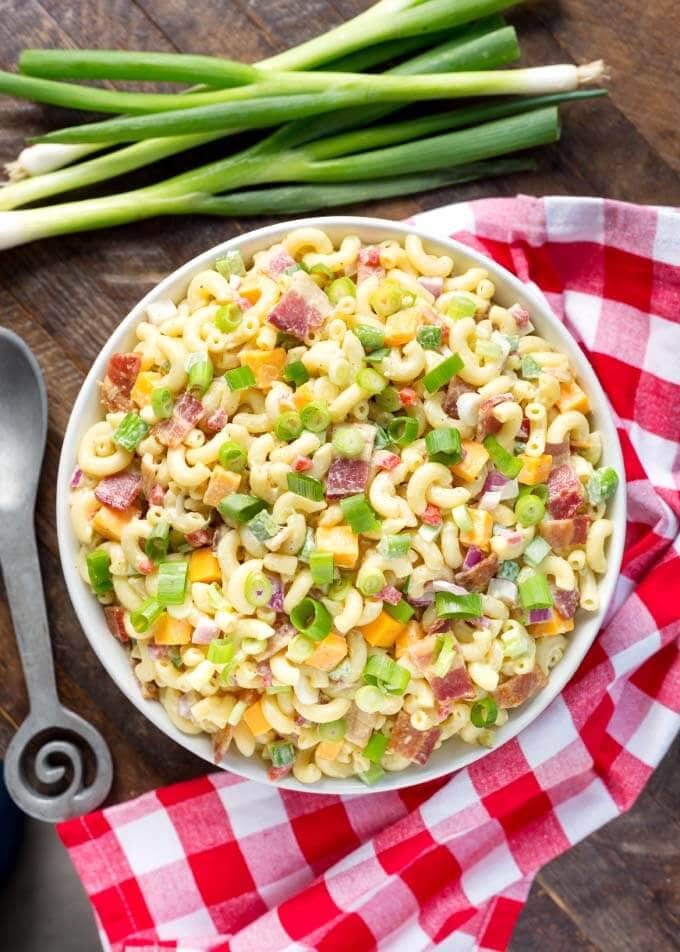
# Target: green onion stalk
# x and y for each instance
(483, 45)
(382, 22)
(184, 193)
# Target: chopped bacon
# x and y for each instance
(389, 594)
(560, 452)
(477, 577)
(521, 315)
(431, 515)
(455, 684)
(524, 429)
(455, 389)
(410, 743)
(519, 688)
(275, 261)
(149, 690)
(359, 726)
(119, 491)
(156, 495)
(216, 421)
(369, 264)
(186, 413)
(566, 602)
(302, 308)
(278, 773)
(439, 625)
(283, 635)
(221, 741)
(387, 461)
(560, 533)
(302, 464)
(200, 538)
(421, 653)
(565, 492)
(115, 619)
(121, 374)
(408, 397)
(487, 422)
(265, 672)
(346, 477)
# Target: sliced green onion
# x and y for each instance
(428, 532)
(381, 671)
(509, 570)
(232, 456)
(348, 442)
(263, 526)
(602, 485)
(534, 592)
(230, 263)
(299, 649)
(403, 430)
(282, 753)
(540, 490)
(143, 617)
(394, 546)
(376, 747)
(446, 656)
(530, 368)
(176, 658)
(339, 589)
(381, 438)
(370, 338)
(309, 487)
(220, 651)
(516, 643)
(99, 571)
(200, 369)
(217, 599)
(402, 611)
(257, 589)
(321, 567)
(295, 373)
(315, 417)
(449, 605)
(278, 689)
(340, 288)
(162, 403)
(388, 400)
(443, 446)
(172, 582)
(442, 373)
(371, 381)
(312, 619)
(388, 298)
(307, 546)
(488, 349)
(461, 517)
(240, 378)
(228, 317)
(536, 551)
(158, 541)
(321, 274)
(460, 306)
(529, 510)
(130, 431)
(372, 775)
(376, 356)
(240, 508)
(508, 464)
(288, 426)
(484, 712)
(334, 730)
(429, 337)
(359, 515)
(370, 581)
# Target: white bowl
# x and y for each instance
(453, 754)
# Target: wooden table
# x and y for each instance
(65, 296)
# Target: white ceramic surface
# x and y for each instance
(453, 754)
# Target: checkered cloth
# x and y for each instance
(223, 863)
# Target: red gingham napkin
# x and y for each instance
(223, 863)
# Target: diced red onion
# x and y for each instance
(494, 480)
(537, 615)
(76, 478)
(204, 632)
(421, 601)
(473, 557)
(434, 285)
(510, 490)
(481, 622)
(276, 601)
(489, 501)
(439, 585)
(389, 594)
(503, 589)
(467, 406)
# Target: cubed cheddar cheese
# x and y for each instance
(341, 541)
(572, 397)
(266, 365)
(383, 631)
(302, 396)
(250, 294)
(172, 631)
(146, 382)
(535, 469)
(109, 522)
(222, 482)
(401, 327)
(204, 567)
(480, 532)
(409, 636)
(328, 653)
(329, 749)
(255, 720)
(475, 456)
(557, 625)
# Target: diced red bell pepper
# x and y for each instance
(408, 396)
(431, 515)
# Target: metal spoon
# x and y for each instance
(57, 765)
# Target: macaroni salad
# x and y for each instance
(341, 506)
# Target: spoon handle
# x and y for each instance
(23, 584)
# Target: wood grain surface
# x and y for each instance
(617, 890)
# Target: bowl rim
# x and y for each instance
(113, 656)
